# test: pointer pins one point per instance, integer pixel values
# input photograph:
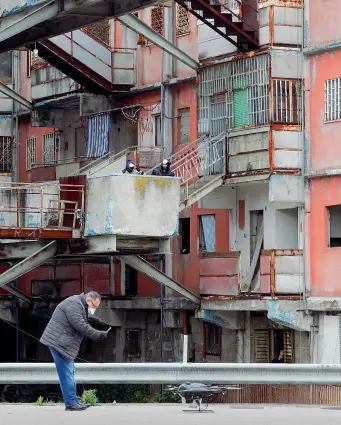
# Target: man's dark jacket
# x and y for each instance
(68, 326)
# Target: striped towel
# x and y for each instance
(98, 129)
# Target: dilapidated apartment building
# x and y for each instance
(220, 88)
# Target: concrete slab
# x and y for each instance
(152, 414)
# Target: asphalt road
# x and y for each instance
(169, 415)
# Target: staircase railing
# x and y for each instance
(203, 157)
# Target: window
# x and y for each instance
(207, 233)
(157, 19)
(268, 344)
(185, 235)
(49, 149)
(286, 101)
(31, 152)
(28, 63)
(5, 154)
(133, 343)
(184, 124)
(332, 100)
(80, 142)
(212, 335)
(6, 67)
(182, 21)
(158, 131)
(130, 281)
(234, 94)
(334, 226)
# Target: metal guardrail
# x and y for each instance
(175, 373)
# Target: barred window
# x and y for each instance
(287, 101)
(234, 94)
(31, 152)
(5, 154)
(49, 149)
(182, 21)
(157, 19)
(332, 99)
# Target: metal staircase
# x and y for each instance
(201, 166)
(234, 20)
(89, 61)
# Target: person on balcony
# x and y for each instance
(164, 169)
(131, 168)
(63, 336)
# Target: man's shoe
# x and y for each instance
(86, 405)
(76, 407)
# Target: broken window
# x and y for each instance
(332, 99)
(133, 343)
(334, 226)
(5, 154)
(268, 344)
(130, 281)
(212, 335)
(185, 235)
(287, 101)
(207, 233)
(49, 149)
(6, 67)
(182, 21)
(80, 142)
(31, 152)
(184, 124)
(157, 19)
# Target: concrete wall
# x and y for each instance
(323, 260)
(328, 340)
(132, 205)
(280, 25)
(256, 197)
(49, 81)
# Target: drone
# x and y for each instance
(199, 395)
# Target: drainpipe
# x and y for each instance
(15, 118)
(17, 336)
(167, 73)
(185, 348)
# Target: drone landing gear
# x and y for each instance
(196, 407)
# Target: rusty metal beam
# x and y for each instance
(18, 249)
(143, 266)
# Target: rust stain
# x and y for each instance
(272, 274)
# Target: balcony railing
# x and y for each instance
(27, 208)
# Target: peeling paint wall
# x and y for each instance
(324, 22)
(132, 206)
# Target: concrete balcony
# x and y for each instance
(261, 150)
(281, 272)
(219, 273)
(102, 210)
(132, 206)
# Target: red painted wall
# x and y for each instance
(324, 22)
(186, 267)
(26, 131)
(324, 261)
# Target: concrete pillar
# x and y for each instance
(247, 337)
(327, 343)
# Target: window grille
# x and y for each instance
(157, 19)
(5, 154)
(332, 99)
(31, 152)
(287, 101)
(184, 122)
(234, 94)
(49, 149)
(182, 21)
